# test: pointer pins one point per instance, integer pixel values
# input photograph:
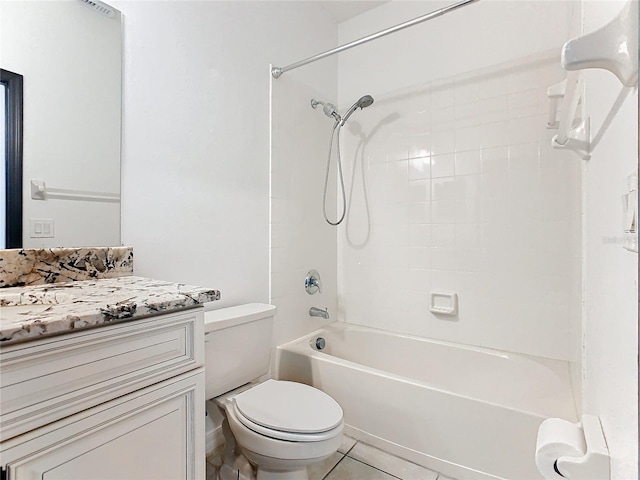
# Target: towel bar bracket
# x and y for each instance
(578, 141)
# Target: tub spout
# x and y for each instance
(318, 312)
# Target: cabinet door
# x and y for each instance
(44, 381)
(155, 433)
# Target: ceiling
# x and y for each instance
(343, 10)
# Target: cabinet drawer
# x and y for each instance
(46, 380)
(154, 433)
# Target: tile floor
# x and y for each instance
(355, 460)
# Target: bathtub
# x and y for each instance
(469, 413)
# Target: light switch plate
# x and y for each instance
(41, 228)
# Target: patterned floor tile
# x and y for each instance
(391, 464)
(347, 444)
(350, 469)
(318, 471)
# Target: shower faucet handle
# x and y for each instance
(318, 312)
(313, 283)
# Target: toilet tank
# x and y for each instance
(237, 346)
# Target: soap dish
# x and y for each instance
(443, 303)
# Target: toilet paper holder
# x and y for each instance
(594, 464)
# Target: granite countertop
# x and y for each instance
(27, 313)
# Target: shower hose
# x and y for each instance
(336, 127)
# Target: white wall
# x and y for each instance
(485, 33)
(70, 57)
(610, 320)
(463, 192)
(196, 136)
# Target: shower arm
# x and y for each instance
(329, 109)
(278, 71)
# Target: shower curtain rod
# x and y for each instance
(278, 71)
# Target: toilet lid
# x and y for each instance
(289, 407)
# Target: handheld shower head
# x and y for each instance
(365, 101)
(362, 102)
(330, 111)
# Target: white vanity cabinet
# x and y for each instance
(122, 402)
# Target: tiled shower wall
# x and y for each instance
(454, 187)
(300, 238)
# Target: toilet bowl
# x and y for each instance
(281, 427)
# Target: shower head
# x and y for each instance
(365, 101)
(362, 102)
(329, 109)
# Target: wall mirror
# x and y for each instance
(68, 54)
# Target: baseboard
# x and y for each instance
(214, 440)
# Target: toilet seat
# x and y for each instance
(288, 411)
(287, 436)
(263, 450)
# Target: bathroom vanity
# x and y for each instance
(102, 379)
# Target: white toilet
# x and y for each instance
(281, 427)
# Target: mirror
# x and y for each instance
(69, 54)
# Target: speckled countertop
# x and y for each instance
(27, 313)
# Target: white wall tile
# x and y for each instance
(419, 235)
(419, 144)
(419, 213)
(443, 165)
(419, 168)
(466, 90)
(468, 210)
(442, 97)
(524, 156)
(397, 146)
(492, 213)
(492, 86)
(467, 139)
(468, 114)
(443, 258)
(467, 235)
(443, 211)
(467, 187)
(444, 280)
(300, 238)
(419, 191)
(498, 105)
(443, 188)
(443, 235)
(470, 260)
(443, 120)
(419, 258)
(494, 134)
(467, 163)
(442, 142)
(526, 129)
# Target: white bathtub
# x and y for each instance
(470, 413)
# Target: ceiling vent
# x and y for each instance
(100, 7)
